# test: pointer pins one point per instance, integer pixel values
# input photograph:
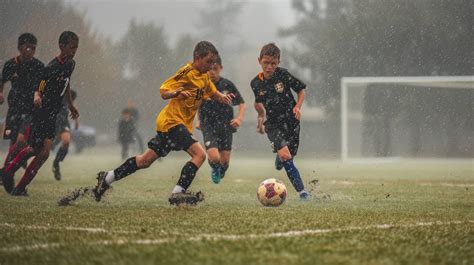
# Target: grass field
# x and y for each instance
(365, 213)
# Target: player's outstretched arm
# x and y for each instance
(261, 117)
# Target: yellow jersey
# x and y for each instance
(182, 111)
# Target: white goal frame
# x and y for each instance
(452, 82)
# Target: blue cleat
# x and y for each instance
(216, 175)
(305, 196)
(278, 163)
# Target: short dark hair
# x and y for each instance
(27, 38)
(271, 50)
(203, 48)
(66, 37)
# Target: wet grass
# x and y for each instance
(429, 206)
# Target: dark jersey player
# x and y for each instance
(218, 123)
(274, 102)
(52, 89)
(24, 72)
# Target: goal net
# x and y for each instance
(407, 117)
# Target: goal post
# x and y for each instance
(358, 93)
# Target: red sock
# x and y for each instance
(30, 173)
(11, 149)
(19, 159)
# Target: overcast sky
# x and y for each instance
(260, 19)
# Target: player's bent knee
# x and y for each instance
(213, 158)
(284, 156)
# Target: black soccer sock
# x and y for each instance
(60, 155)
(224, 168)
(187, 175)
(214, 165)
(127, 168)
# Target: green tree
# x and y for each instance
(219, 23)
(378, 38)
(147, 59)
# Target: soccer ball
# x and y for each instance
(271, 192)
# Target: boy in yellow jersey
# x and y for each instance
(186, 90)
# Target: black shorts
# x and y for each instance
(220, 139)
(43, 127)
(176, 139)
(62, 124)
(284, 134)
(16, 123)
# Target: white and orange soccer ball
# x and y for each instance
(271, 192)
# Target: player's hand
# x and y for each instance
(37, 100)
(227, 98)
(297, 113)
(181, 93)
(235, 123)
(74, 112)
(1, 98)
(260, 126)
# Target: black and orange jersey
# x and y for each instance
(182, 111)
(24, 76)
(275, 94)
(53, 84)
(217, 115)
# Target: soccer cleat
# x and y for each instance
(7, 180)
(56, 172)
(278, 163)
(216, 175)
(305, 196)
(101, 187)
(187, 198)
(18, 192)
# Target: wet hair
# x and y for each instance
(66, 37)
(203, 48)
(27, 38)
(271, 50)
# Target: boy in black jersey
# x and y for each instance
(24, 72)
(278, 112)
(126, 131)
(52, 89)
(63, 135)
(134, 117)
(217, 122)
